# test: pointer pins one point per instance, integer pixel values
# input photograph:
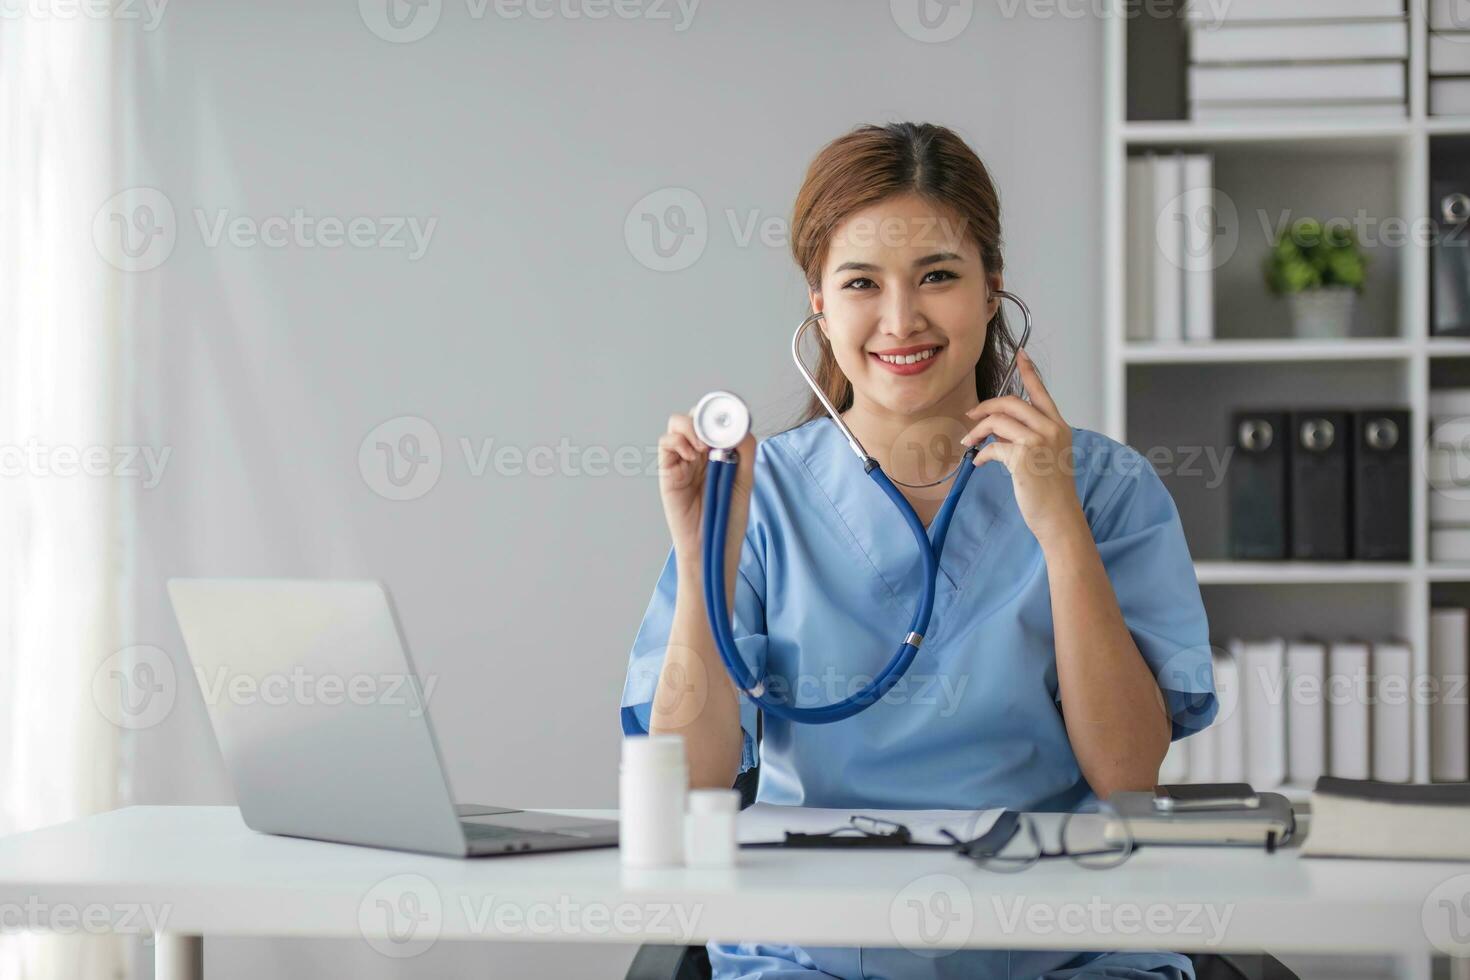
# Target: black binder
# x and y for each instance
(1321, 485)
(1381, 473)
(1258, 485)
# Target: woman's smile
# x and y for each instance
(907, 360)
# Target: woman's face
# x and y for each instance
(903, 280)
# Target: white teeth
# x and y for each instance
(909, 358)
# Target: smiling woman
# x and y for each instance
(1065, 579)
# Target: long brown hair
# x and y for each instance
(869, 165)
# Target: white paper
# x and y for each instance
(763, 823)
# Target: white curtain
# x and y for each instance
(59, 502)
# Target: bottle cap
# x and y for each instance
(653, 750)
(714, 801)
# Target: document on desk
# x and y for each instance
(766, 823)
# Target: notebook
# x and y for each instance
(1238, 825)
(767, 823)
(1372, 819)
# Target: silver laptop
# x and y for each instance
(323, 724)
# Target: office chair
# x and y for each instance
(662, 962)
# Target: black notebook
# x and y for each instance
(1365, 818)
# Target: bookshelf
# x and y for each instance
(1159, 393)
(1163, 393)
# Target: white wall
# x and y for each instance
(528, 320)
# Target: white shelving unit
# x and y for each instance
(1403, 356)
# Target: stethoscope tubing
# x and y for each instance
(718, 488)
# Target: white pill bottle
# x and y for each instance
(653, 789)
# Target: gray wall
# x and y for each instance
(531, 318)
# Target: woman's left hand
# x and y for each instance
(1035, 444)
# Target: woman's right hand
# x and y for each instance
(683, 460)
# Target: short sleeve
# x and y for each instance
(1143, 548)
(646, 659)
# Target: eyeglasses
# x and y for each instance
(1094, 840)
(874, 831)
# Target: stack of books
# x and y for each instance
(1449, 474)
(1172, 219)
(1291, 711)
(1274, 59)
(1449, 59)
(1449, 713)
(1370, 819)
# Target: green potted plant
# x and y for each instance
(1320, 270)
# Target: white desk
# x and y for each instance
(188, 872)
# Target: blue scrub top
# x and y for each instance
(829, 578)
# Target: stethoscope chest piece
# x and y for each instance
(721, 420)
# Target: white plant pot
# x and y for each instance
(1323, 312)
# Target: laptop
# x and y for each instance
(324, 725)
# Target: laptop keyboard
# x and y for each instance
(485, 831)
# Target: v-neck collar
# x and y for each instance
(876, 532)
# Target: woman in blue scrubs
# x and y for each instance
(1068, 644)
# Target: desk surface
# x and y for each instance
(201, 871)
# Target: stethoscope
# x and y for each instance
(721, 421)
